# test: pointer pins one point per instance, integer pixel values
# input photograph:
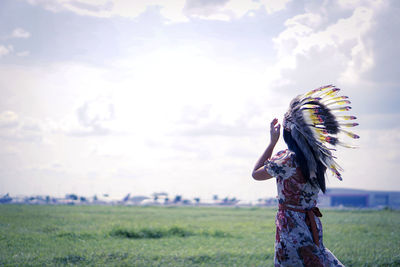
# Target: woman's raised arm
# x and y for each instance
(259, 173)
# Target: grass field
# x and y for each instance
(180, 236)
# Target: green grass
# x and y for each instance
(180, 236)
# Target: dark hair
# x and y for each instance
(302, 161)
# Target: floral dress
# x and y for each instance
(294, 244)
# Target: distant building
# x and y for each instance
(335, 197)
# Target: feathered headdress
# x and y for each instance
(314, 121)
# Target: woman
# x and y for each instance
(309, 125)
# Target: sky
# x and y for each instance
(128, 96)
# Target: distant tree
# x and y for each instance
(83, 199)
(197, 199)
(215, 197)
(94, 198)
(47, 199)
(166, 200)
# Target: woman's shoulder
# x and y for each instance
(281, 164)
(283, 156)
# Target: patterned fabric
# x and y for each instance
(294, 245)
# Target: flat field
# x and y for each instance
(180, 236)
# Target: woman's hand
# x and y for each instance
(259, 172)
(275, 131)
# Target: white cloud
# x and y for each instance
(352, 4)
(272, 6)
(219, 10)
(20, 33)
(5, 50)
(341, 42)
(17, 33)
(230, 9)
(23, 54)
(15, 128)
(93, 117)
(172, 10)
(8, 119)
(383, 42)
